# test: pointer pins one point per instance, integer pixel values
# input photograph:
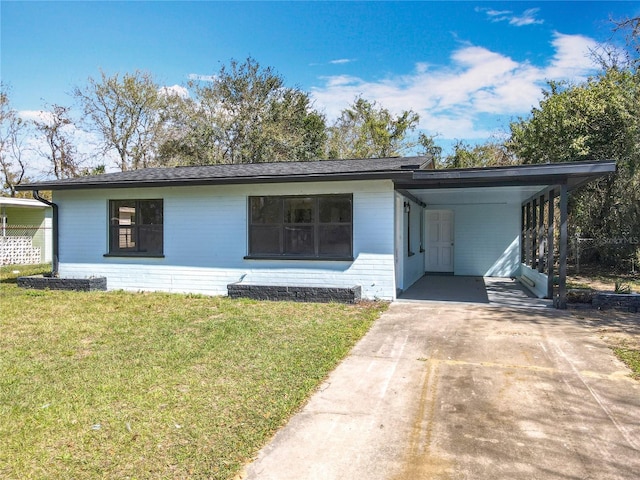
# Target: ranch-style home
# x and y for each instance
(374, 225)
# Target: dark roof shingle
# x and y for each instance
(239, 173)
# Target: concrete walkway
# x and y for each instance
(455, 391)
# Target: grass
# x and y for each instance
(596, 277)
(9, 273)
(132, 385)
(630, 357)
(602, 278)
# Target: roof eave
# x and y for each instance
(382, 175)
(574, 174)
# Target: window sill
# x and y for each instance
(134, 254)
(289, 257)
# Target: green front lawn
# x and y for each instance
(132, 385)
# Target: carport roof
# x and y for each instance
(573, 174)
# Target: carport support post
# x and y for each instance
(550, 240)
(523, 234)
(527, 239)
(534, 233)
(562, 281)
(540, 233)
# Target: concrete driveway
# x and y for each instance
(466, 391)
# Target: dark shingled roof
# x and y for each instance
(407, 173)
(241, 173)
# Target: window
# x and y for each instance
(136, 227)
(310, 227)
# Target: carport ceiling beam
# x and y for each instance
(544, 191)
(411, 197)
(453, 183)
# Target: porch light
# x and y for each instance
(407, 207)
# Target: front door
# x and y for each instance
(439, 235)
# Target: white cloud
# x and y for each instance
(178, 90)
(494, 13)
(458, 99)
(201, 78)
(528, 17)
(36, 115)
(341, 61)
(573, 57)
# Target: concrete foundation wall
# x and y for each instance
(52, 283)
(296, 294)
(539, 280)
(626, 302)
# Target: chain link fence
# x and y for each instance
(625, 250)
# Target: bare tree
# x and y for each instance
(631, 29)
(612, 55)
(61, 152)
(12, 127)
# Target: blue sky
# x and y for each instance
(467, 68)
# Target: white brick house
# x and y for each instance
(378, 223)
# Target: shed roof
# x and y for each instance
(21, 202)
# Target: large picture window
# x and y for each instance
(316, 227)
(136, 227)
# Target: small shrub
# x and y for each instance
(622, 288)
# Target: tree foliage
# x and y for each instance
(489, 154)
(244, 114)
(430, 149)
(12, 128)
(596, 120)
(367, 130)
(125, 113)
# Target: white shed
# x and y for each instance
(25, 231)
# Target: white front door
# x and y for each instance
(439, 235)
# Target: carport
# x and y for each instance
(508, 222)
(489, 291)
